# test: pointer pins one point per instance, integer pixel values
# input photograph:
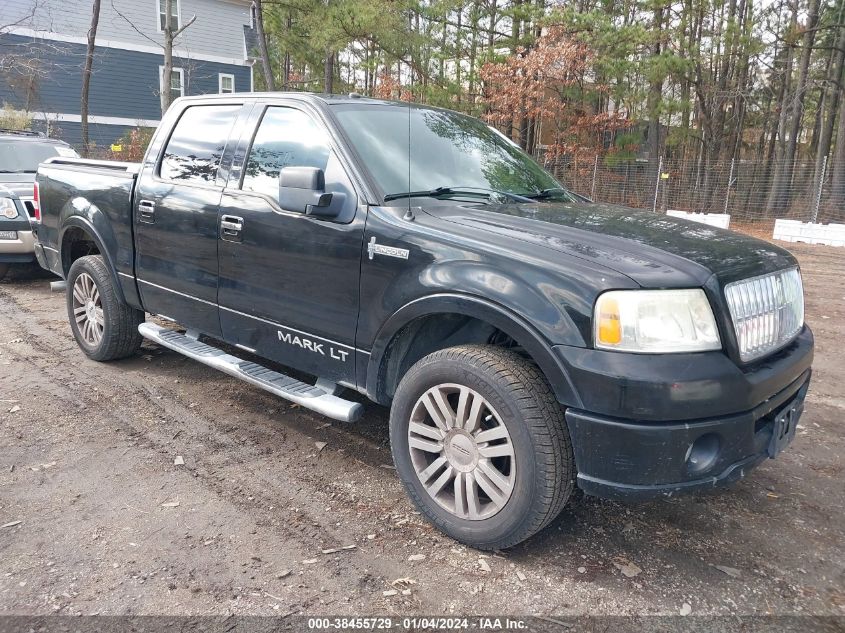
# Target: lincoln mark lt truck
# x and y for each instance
(526, 340)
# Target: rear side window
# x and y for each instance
(196, 146)
(285, 138)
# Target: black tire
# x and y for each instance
(4, 268)
(544, 464)
(120, 337)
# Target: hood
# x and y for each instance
(655, 250)
(18, 184)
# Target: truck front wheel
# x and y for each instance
(103, 325)
(481, 445)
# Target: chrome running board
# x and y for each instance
(315, 397)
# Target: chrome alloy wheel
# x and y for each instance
(88, 310)
(461, 451)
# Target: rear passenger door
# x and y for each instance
(175, 219)
(289, 281)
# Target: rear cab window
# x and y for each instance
(195, 148)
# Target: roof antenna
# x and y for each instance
(409, 214)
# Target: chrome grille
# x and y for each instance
(767, 311)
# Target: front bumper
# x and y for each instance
(661, 425)
(18, 251)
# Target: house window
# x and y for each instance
(177, 82)
(174, 14)
(226, 83)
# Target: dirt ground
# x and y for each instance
(106, 523)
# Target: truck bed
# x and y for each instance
(93, 196)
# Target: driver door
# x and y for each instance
(288, 281)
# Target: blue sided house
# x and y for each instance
(42, 53)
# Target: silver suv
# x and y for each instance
(20, 154)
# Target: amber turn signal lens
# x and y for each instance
(610, 327)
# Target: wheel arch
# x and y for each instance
(79, 238)
(393, 351)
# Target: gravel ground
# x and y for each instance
(98, 519)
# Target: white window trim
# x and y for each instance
(180, 71)
(158, 14)
(220, 78)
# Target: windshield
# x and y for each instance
(447, 151)
(24, 156)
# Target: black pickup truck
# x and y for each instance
(527, 340)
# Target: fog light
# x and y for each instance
(702, 453)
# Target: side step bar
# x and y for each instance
(313, 397)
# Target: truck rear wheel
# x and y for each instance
(481, 445)
(103, 325)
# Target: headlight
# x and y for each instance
(655, 321)
(8, 208)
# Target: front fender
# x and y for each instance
(485, 310)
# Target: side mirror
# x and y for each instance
(302, 189)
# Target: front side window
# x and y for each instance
(174, 15)
(285, 138)
(227, 83)
(196, 146)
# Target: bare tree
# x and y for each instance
(170, 34)
(86, 75)
(269, 79)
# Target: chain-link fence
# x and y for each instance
(754, 193)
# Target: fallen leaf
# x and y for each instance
(686, 609)
(628, 569)
(170, 504)
(484, 566)
(14, 409)
(404, 581)
(335, 550)
(179, 461)
(416, 557)
(11, 524)
(320, 446)
(389, 593)
(733, 572)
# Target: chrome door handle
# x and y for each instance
(146, 211)
(231, 227)
(231, 223)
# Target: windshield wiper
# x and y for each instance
(457, 191)
(545, 194)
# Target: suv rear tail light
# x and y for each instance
(36, 207)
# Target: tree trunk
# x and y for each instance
(266, 67)
(86, 76)
(838, 167)
(797, 104)
(832, 95)
(774, 201)
(328, 72)
(286, 75)
(167, 70)
(655, 93)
